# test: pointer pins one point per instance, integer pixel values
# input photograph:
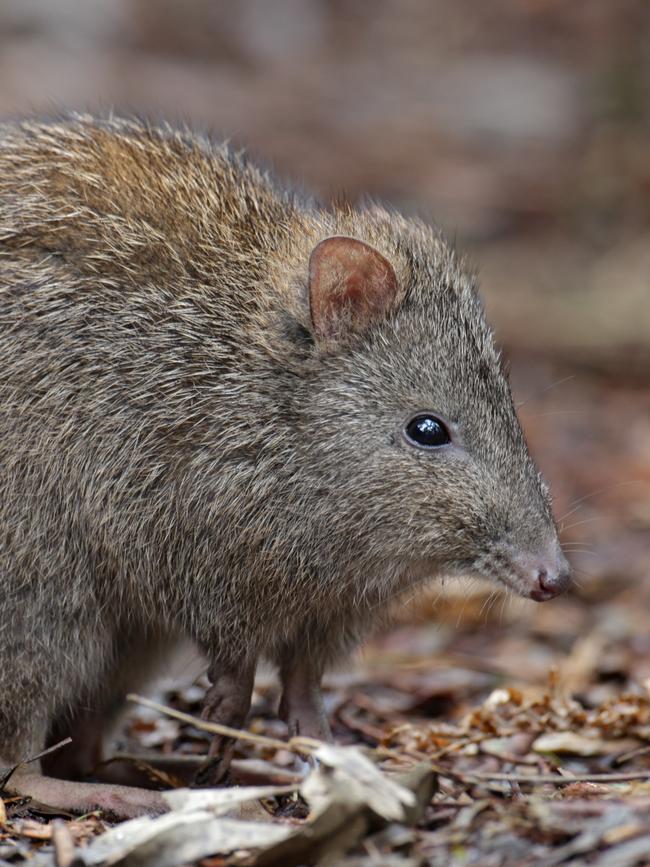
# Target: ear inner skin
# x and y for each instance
(351, 285)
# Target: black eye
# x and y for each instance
(427, 431)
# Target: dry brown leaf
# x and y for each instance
(581, 744)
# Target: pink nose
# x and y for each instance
(547, 584)
(545, 575)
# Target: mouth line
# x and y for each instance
(519, 585)
(508, 582)
(500, 571)
(511, 580)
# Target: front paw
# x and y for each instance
(227, 703)
(215, 770)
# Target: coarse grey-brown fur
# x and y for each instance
(180, 453)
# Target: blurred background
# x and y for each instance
(522, 127)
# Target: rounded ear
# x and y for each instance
(351, 285)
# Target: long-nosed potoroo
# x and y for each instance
(228, 414)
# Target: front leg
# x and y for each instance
(301, 705)
(227, 703)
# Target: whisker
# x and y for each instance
(506, 598)
(486, 601)
(576, 503)
(577, 548)
(580, 523)
(461, 612)
(546, 389)
(556, 412)
(492, 599)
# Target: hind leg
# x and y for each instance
(75, 761)
(92, 721)
(116, 802)
(52, 784)
(28, 780)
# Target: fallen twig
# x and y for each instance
(481, 776)
(295, 745)
(9, 772)
(632, 754)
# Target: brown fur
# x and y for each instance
(180, 452)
